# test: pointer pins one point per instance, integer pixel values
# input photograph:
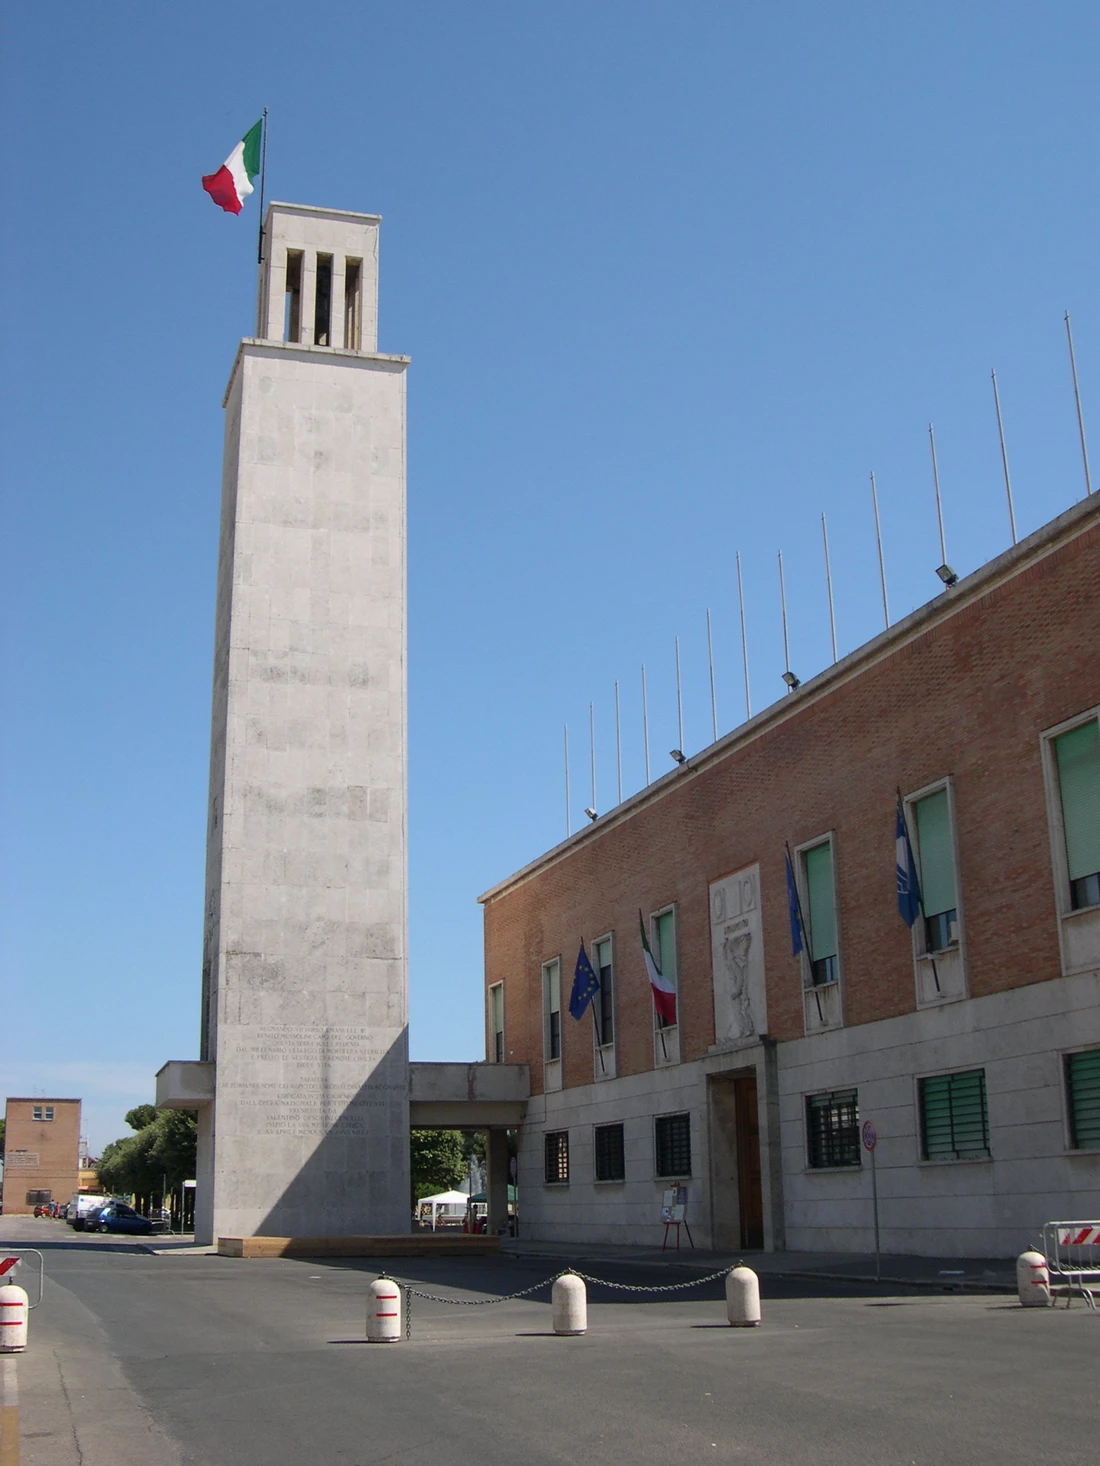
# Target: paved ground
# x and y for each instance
(191, 1360)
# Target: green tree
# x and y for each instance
(140, 1116)
(155, 1160)
(436, 1161)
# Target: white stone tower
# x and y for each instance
(304, 1012)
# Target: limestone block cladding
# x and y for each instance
(971, 1038)
(304, 980)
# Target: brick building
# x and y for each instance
(971, 1039)
(41, 1152)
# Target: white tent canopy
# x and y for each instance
(452, 1203)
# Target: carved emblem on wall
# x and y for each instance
(737, 957)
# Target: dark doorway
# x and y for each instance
(748, 1163)
(737, 1201)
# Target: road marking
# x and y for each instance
(9, 1415)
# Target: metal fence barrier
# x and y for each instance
(1072, 1251)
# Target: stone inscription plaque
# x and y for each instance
(294, 1080)
(737, 957)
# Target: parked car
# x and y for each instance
(83, 1205)
(118, 1217)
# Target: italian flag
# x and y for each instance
(664, 992)
(232, 183)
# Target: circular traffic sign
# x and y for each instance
(870, 1135)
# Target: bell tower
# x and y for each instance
(304, 1002)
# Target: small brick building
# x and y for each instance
(41, 1152)
(971, 1039)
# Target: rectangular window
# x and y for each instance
(322, 301)
(610, 1154)
(832, 1128)
(1083, 1099)
(936, 857)
(821, 912)
(1077, 756)
(551, 1000)
(496, 1022)
(606, 995)
(555, 1157)
(672, 1145)
(292, 312)
(664, 941)
(36, 1112)
(49, 1112)
(353, 304)
(953, 1116)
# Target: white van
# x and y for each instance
(83, 1204)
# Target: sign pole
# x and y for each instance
(870, 1140)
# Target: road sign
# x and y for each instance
(6, 1264)
(870, 1135)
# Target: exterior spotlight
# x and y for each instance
(791, 680)
(677, 755)
(947, 575)
(591, 813)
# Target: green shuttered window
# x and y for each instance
(665, 931)
(1083, 1095)
(937, 857)
(1077, 754)
(821, 911)
(954, 1116)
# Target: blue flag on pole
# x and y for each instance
(585, 984)
(794, 911)
(908, 882)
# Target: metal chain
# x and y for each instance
(568, 1272)
(658, 1288)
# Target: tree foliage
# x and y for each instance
(437, 1161)
(156, 1159)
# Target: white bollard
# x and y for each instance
(570, 1305)
(384, 1312)
(1033, 1280)
(14, 1314)
(742, 1297)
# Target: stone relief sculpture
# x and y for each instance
(737, 958)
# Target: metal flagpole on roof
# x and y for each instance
(713, 699)
(592, 750)
(1004, 457)
(1077, 400)
(568, 821)
(936, 486)
(829, 585)
(645, 725)
(881, 562)
(783, 608)
(263, 176)
(744, 639)
(679, 700)
(618, 743)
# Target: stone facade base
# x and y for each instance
(422, 1244)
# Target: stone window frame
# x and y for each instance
(492, 1046)
(1065, 913)
(608, 1049)
(597, 1179)
(551, 1067)
(918, 936)
(671, 1032)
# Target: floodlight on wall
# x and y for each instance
(592, 814)
(791, 680)
(677, 755)
(947, 575)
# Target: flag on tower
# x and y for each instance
(232, 183)
(664, 990)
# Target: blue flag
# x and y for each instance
(909, 901)
(585, 983)
(794, 910)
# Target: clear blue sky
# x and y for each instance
(673, 277)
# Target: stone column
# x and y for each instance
(496, 1179)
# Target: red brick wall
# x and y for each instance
(968, 696)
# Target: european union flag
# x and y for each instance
(909, 901)
(794, 908)
(585, 984)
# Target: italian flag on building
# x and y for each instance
(232, 183)
(664, 991)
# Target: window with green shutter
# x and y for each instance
(1077, 755)
(664, 928)
(954, 1117)
(1083, 1096)
(936, 857)
(817, 863)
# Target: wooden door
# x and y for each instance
(748, 1164)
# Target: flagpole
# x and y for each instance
(592, 750)
(645, 725)
(783, 608)
(1077, 400)
(618, 742)
(881, 562)
(568, 821)
(713, 699)
(679, 700)
(1004, 457)
(829, 585)
(936, 485)
(263, 176)
(744, 639)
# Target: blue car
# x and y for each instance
(118, 1217)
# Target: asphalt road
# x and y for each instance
(203, 1361)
